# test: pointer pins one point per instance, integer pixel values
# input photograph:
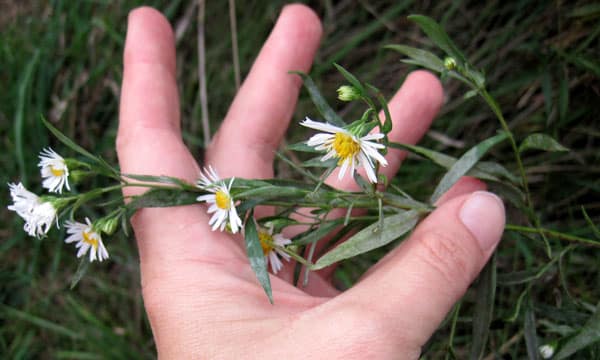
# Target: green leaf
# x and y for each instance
(529, 328)
(541, 142)
(464, 164)
(82, 268)
(256, 256)
(591, 223)
(588, 335)
(317, 234)
(387, 125)
(162, 198)
(484, 170)
(351, 78)
(435, 32)
(371, 237)
(484, 308)
(420, 57)
(319, 101)
(162, 179)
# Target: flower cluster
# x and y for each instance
(40, 212)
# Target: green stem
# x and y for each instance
(553, 233)
(533, 216)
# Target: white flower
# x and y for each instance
(221, 202)
(38, 214)
(87, 239)
(54, 171)
(546, 351)
(268, 242)
(350, 150)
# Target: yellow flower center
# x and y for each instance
(89, 239)
(223, 200)
(345, 147)
(56, 172)
(266, 241)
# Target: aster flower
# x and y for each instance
(38, 214)
(268, 242)
(221, 202)
(87, 239)
(54, 171)
(350, 149)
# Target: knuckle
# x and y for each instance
(447, 255)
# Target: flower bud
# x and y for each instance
(450, 63)
(107, 225)
(348, 93)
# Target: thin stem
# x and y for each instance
(533, 216)
(553, 233)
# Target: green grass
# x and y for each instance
(62, 59)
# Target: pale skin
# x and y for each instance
(201, 296)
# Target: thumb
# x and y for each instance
(411, 290)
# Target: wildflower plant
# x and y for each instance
(347, 145)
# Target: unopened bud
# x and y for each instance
(107, 225)
(450, 63)
(348, 93)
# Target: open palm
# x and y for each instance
(202, 298)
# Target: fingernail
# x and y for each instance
(483, 214)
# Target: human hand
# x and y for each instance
(201, 295)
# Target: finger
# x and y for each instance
(149, 141)
(259, 116)
(412, 109)
(417, 284)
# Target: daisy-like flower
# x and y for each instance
(221, 202)
(54, 171)
(87, 239)
(38, 214)
(350, 150)
(268, 242)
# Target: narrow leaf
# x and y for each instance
(588, 335)
(531, 339)
(162, 198)
(82, 268)
(437, 34)
(256, 256)
(541, 142)
(319, 101)
(317, 234)
(371, 237)
(485, 170)
(591, 223)
(484, 309)
(420, 57)
(387, 125)
(464, 164)
(351, 78)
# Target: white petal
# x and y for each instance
(321, 126)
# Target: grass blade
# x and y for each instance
(589, 334)
(484, 309)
